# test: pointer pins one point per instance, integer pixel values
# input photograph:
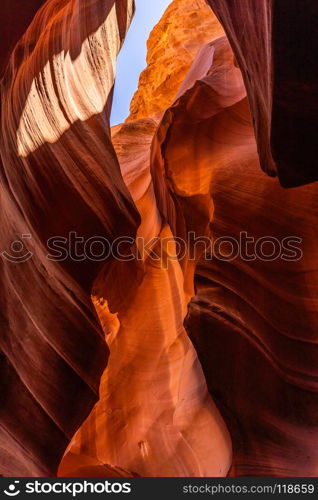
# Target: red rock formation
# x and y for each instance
(59, 173)
(172, 46)
(15, 16)
(252, 322)
(281, 81)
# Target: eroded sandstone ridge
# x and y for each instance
(155, 416)
(59, 173)
(281, 80)
(172, 46)
(212, 362)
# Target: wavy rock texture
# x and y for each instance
(254, 325)
(172, 46)
(168, 425)
(281, 81)
(254, 322)
(59, 173)
(249, 340)
(155, 416)
(15, 17)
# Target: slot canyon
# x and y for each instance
(168, 356)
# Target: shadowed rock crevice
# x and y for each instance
(211, 362)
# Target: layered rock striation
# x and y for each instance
(212, 351)
(172, 47)
(59, 174)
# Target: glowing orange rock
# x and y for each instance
(172, 47)
(186, 160)
(253, 320)
(280, 78)
(155, 416)
(59, 173)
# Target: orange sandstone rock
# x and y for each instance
(165, 404)
(172, 47)
(58, 173)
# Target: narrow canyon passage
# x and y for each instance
(195, 365)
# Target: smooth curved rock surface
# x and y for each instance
(186, 161)
(15, 17)
(275, 44)
(155, 416)
(172, 46)
(253, 321)
(59, 173)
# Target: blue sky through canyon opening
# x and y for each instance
(132, 57)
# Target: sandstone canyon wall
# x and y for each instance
(212, 365)
(280, 78)
(53, 181)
